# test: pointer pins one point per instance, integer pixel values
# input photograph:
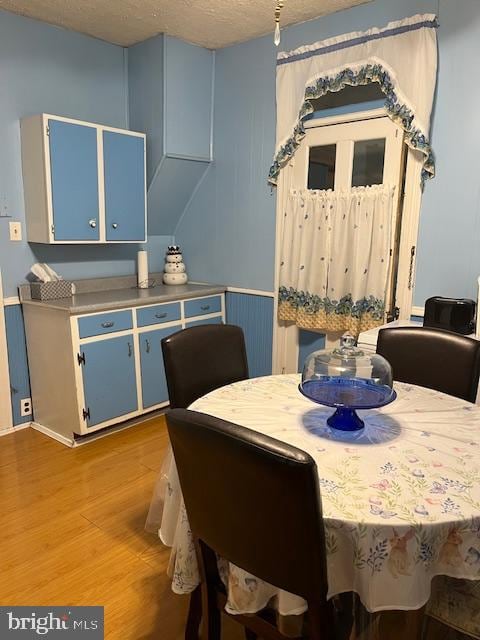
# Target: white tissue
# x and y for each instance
(44, 273)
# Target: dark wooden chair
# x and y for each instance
(198, 360)
(255, 501)
(432, 358)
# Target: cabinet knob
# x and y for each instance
(114, 225)
(92, 223)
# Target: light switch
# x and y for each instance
(15, 231)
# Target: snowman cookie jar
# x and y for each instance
(174, 270)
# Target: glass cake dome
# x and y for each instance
(347, 378)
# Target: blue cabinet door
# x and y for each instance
(109, 380)
(154, 384)
(74, 181)
(124, 167)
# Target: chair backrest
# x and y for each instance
(200, 359)
(252, 499)
(432, 358)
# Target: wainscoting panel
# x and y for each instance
(308, 341)
(255, 315)
(17, 361)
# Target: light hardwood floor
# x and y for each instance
(72, 531)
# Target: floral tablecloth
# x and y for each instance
(401, 499)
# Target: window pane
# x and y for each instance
(368, 159)
(321, 167)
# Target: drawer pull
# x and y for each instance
(160, 316)
(92, 223)
(206, 307)
(107, 325)
(147, 346)
(129, 350)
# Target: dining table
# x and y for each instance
(400, 497)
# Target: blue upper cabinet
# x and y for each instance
(188, 71)
(124, 171)
(74, 180)
(83, 183)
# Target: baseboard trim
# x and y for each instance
(18, 427)
(11, 301)
(115, 428)
(80, 441)
(69, 442)
(251, 292)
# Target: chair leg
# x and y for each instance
(321, 621)
(211, 618)
(192, 629)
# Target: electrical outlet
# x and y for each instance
(15, 231)
(26, 407)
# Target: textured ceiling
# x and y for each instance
(210, 23)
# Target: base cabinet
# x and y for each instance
(154, 383)
(109, 379)
(92, 371)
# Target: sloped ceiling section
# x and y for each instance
(210, 23)
(163, 73)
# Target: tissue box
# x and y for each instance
(50, 290)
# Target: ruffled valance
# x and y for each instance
(401, 58)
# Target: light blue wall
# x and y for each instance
(47, 69)
(233, 210)
(449, 244)
(227, 233)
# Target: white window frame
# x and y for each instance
(285, 347)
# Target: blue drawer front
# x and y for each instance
(203, 306)
(105, 323)
(158, 314)
(196, 323)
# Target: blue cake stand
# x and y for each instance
(347, 395)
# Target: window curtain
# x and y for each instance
(335, 258)
(401, 58)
